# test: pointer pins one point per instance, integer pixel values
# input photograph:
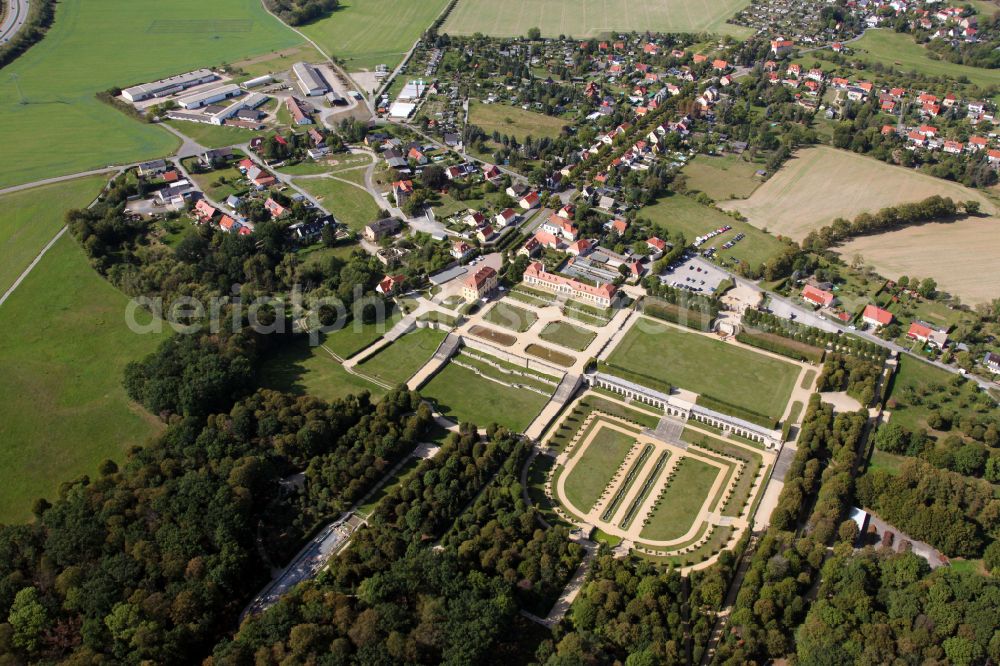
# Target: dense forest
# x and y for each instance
(153, 559)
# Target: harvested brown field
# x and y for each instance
(493, 335)
(961, 256)
(821, 183)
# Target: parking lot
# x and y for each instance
(695, 274)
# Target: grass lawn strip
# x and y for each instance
(464, 396)
(400, 360)
(502, 375)
(566, 334)
(710, 367)
(510, 316)
(596, 466)
(677, 508)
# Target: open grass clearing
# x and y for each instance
(682, 213)
(64, 347)
(351, 205)
(900, 51)
(276, 61)
(213, 136)
(820, 183)
(31, 218)
(596, 466)
(356, 334)
(592, 18)
(514, 121)
(566, 334)
(366, 33)
(511, 316)
(722, 177)
(731, 374)
(961, 256)
(302, 369)
(401, 359)
(677, 508)
(463, 395)
(94, 45)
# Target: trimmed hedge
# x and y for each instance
(660, 309)
(800, 351)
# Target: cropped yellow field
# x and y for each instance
(821, 183)
(961, 256)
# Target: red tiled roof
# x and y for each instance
(877, 314)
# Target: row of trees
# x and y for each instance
(933, 208)
(846, 344)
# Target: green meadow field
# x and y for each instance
(592, 18)
(366, 33)
(64, 410)
(31, 218)
(51, 120)
(900, 51)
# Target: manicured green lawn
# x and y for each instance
(94, 45)
(214, 136)
(356, 335)
(684, 214)
(31, 218)
(366, 33)
(701, 364)
(62, 352)
(678, 506)
(566, 334)
(596, 467)
(514, 121)
(463, 395)
(400, 360)
(351, 205)
(510, 316)
(302, 369)
(722, 177)
(890, 47)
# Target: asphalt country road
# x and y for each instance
(16, 15)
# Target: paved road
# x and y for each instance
(17, 14)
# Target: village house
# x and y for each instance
(928, 334)
(559, 227)
(992, 362)
(274, 208)
(480, 284)
(460, 250)
(530, 201)
(818, 296)
(204, 210)
(401, 191)
(506, 217)
(875, 316)
(390, 284)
